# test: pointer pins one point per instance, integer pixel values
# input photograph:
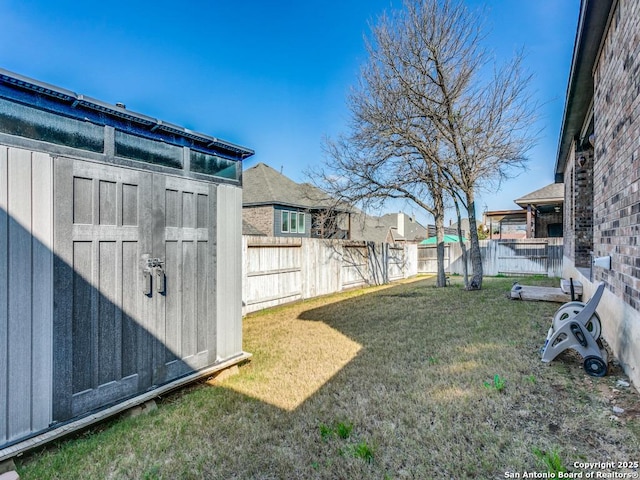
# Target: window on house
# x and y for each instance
(293, 222)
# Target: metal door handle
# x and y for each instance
(153, 268)
(160, 279)
(146, 281)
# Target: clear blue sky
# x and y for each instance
(266, 74)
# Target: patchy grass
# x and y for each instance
(402, 382)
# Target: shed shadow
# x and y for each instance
(69, 351)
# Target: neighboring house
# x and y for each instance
(465, 225)
(599, 161)
(388, 228)
(121, 259)
(397, 228)
(248, 229)
(540, 215)
(505, 224)
(275, 205)
(544, 211)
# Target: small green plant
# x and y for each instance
(343, 430)
(433, 360)
(153, 473)
(363, 451)
(325, 432)
(531, 378)
(498, 383)
(340, 429)
(552, 460)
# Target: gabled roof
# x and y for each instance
(384, 228)
(550, 194)
(594, 15)
(262, 185)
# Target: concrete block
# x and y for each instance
(138, 410)
(224, 374)
(7, 466)
(12, 475)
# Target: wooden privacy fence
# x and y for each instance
(280, 270)
(530, 256)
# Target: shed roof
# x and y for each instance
(72, 104)
(507, 216)
(448, 238)
(594, 16)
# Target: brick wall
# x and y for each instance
(569, 203)
(617, 153)
(260, 217)
(583, 202)
(543, 220)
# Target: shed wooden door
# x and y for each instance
(184, 314)
(112, 338)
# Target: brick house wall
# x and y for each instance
(583, 203)
(616, 167)
(569, 207)
(260, 217)
(543, 220)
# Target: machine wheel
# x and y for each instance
(595, 366)
(574, 303)
(568, 312)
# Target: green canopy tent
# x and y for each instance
(447, 239)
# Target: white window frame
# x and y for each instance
(286, 227)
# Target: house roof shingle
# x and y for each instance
(250, 229)
(262, 185)
(553, 193)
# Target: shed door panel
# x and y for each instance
(111, 340)
(101, 317)
(183, 239)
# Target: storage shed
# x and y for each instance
(120, 258)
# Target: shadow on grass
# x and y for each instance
(407, 366)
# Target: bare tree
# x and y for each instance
(370, 172)
(432, 114)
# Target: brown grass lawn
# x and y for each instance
(382, 383)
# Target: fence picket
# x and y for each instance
(529, 256)
(280, 270)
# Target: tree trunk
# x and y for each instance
(465, 264)
(441, 280)
(476, 258)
